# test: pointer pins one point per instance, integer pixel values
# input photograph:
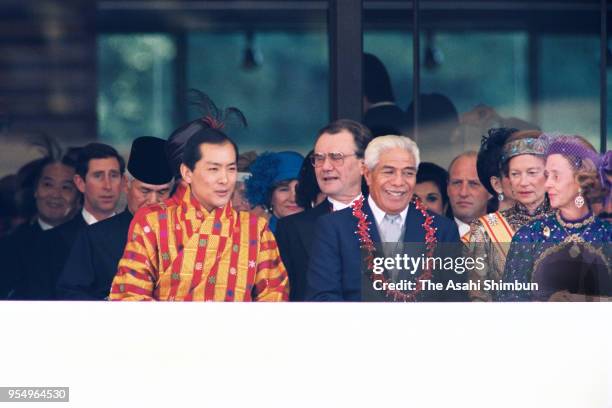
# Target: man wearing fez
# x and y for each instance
(93, 261)
(195, 246)
(337, 160)
(347, 240)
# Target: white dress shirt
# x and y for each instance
(380, 214)
(89, 218)
(337, 205)
(463, 227)
(43, 225)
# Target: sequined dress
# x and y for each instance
(490, 238)
(560, 255)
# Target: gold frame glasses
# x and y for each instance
(336, 158)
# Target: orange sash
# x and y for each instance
(500, 231)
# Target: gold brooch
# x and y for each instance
(546, 232)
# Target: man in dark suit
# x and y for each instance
(380, 112)
(50, 181)
(99, 177)
(336, 271)
(92, 264)
(338, 163)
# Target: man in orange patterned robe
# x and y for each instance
(195, 246)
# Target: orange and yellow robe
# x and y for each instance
(178, 251)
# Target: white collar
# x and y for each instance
(464, 228)
(382, 103)
(337, 205)
(89, 218)
(380, 214)
(43, 225)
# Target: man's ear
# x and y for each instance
(367, 174)
(186, 173)
(126, 183)
(496, 184)
(79, 183)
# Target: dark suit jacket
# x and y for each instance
(336, 268)
(387, 119)
(46, 260)
(15, 251)
(92, 263)
(294, 235)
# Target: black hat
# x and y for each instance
(148, 162)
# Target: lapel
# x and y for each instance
(126, 216)
(323, 208)
(306, 227)
(414, 231)
(73, 226)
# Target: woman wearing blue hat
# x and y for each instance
(272, 184)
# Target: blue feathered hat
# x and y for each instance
(268, 170)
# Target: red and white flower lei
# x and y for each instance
(363, 231)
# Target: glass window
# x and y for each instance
(569, 85)
(279, 80)
(483, 74)
(136, 87)
(394, 49)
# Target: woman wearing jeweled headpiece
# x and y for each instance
(564, 256)
(510, 163)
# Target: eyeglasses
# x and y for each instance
(337, 159)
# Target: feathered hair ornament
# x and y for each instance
(212, 115)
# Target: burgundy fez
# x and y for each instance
(148, 162)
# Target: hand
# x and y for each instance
(561, 296)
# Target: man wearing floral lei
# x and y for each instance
(566, 254)
(387, 224)
(196, 246)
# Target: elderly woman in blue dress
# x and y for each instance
(565, 256)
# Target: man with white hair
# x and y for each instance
(348, 243)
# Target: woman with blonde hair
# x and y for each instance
(564, 256)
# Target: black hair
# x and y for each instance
(361, 134)
(384, 130)
(307, 189)
(489, 156)
(436, 109)
(437, 175)
(192, 153)
(28, 176)
(94, 151)
(212, 117)
(376, 81)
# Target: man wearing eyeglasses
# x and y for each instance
(338, 163)
(388, 225)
